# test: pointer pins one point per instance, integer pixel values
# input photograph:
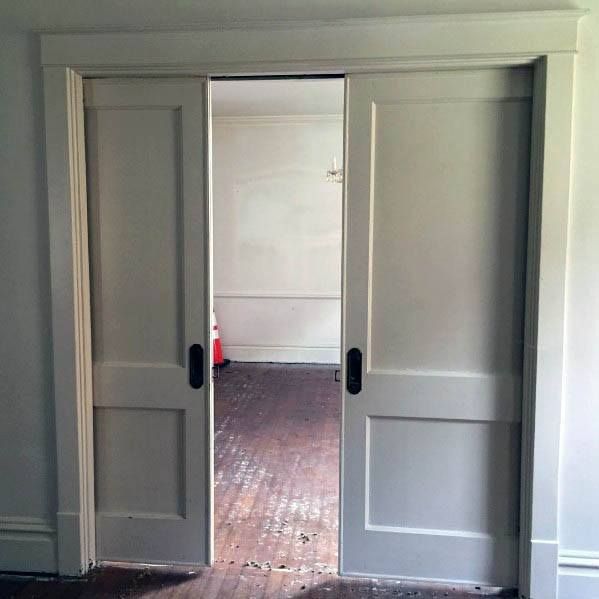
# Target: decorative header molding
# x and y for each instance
(348, 45)
(299, 23)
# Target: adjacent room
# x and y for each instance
(277, 208)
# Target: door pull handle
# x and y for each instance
(196, 366)
(354, 371)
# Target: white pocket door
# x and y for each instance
(437, 202)
(146, 154)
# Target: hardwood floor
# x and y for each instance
(277, 467)
(276, 503)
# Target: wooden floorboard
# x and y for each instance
(277, 467)
(276, 503)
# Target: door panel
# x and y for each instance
(455, 290)
(146, 148)
(137, 261)
(436, 211)
(455, 455)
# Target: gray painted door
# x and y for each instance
(146, 147)
(436, 214)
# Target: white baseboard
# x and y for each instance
(578, 575)
(27, 545)
(283, 354)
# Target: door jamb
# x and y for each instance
(544, 318)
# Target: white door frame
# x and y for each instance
(545, 39)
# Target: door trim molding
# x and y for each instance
(71, 319)
(547, 40)
(339, 45)
(270, 24)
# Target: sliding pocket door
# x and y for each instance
(436, 220)
(148, 226)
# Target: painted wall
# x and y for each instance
(27, 445)
(579, 467)
(27, 471)
(277, 237)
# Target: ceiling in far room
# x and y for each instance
(271, 97)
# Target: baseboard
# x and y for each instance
(27, 545)
(578, 575)
(283, 354)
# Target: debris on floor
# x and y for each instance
(305, 537)
(260, 565)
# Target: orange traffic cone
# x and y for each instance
(217, 349)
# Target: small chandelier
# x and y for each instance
(334, 174)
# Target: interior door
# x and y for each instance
(148, 223)
(436, 220)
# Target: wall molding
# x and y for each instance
(275, 119)
(26, 524)
(27, 544)
(298, 295)
(71, 320)
(286, 354)
(579, 560)
(578, 574)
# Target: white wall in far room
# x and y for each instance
(277, 221)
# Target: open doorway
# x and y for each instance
(428, 417)
(277, 218)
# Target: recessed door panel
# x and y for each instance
(136, 199)
(154, 440)
(448, 235)
(440, 468)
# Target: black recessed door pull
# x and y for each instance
(196, 366)
(354, 371)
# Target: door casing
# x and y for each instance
(546, 40)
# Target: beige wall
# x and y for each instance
(277, 235)
(27, 473)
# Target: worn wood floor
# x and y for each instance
(276, 503)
